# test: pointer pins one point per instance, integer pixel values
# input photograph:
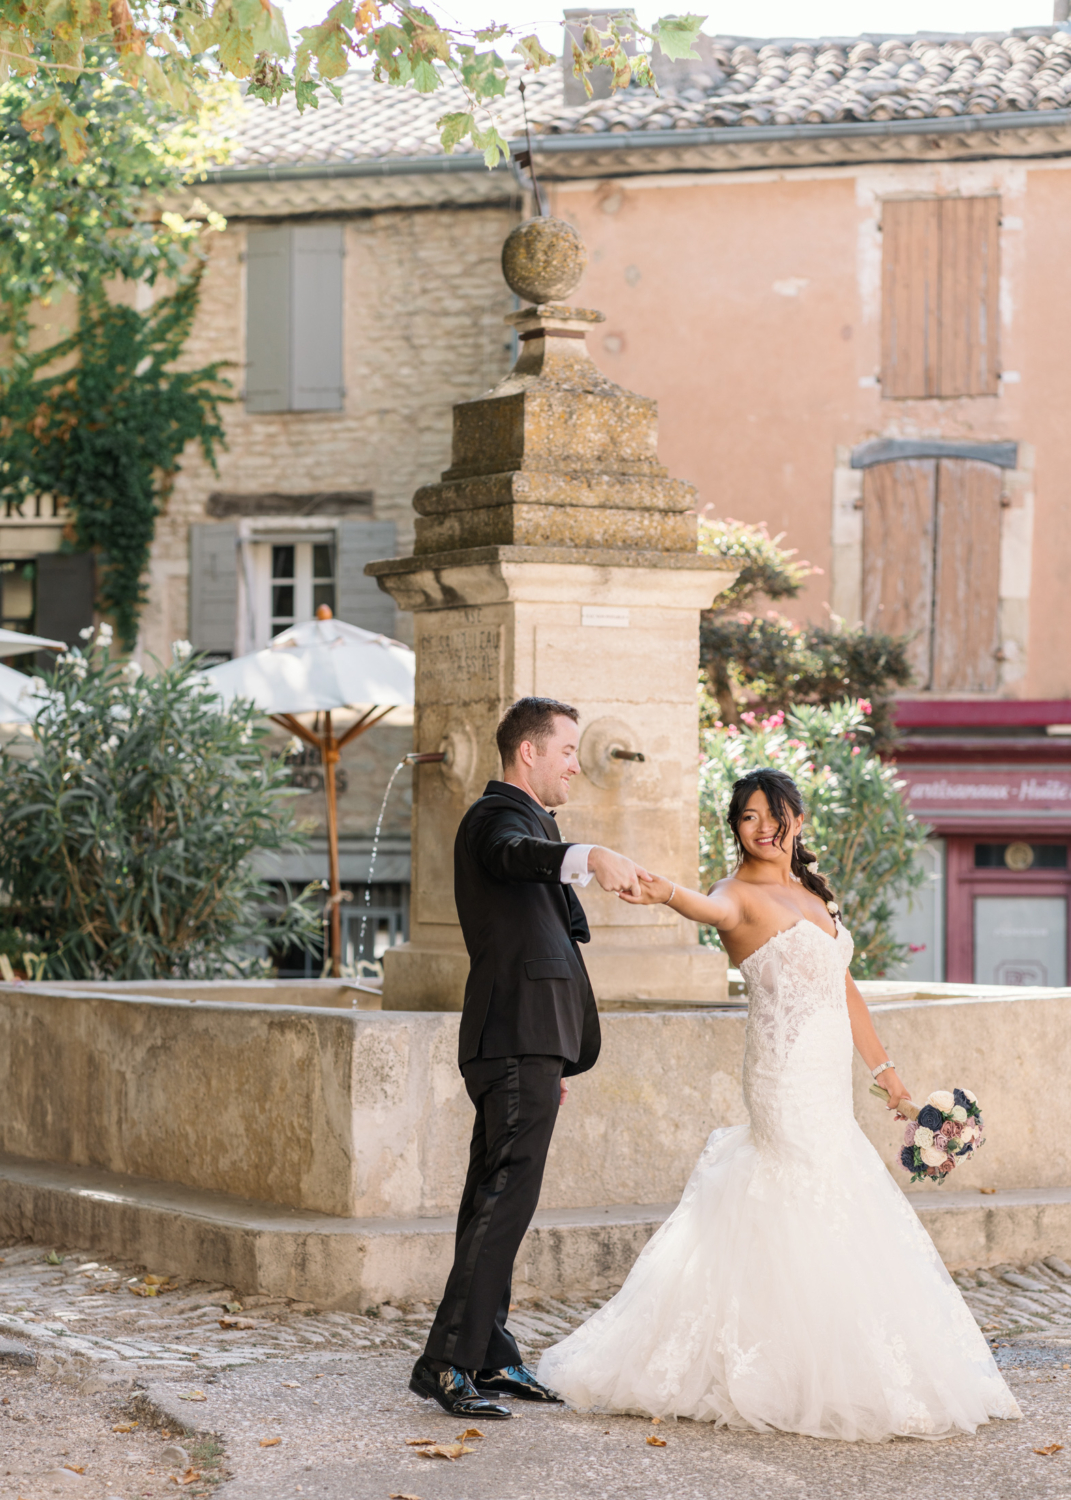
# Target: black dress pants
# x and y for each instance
(516, 1101)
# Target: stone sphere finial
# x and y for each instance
(543, 260)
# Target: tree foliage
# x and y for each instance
(867, 842)
(766, 662)
(129, 835)
(170, 49)
(107, 434)
(69, 225)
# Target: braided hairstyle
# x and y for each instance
(783, 796)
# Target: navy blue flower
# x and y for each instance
(932, 1118)
(907, 1158)
(961, 1098)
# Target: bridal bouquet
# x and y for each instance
(946, 1130)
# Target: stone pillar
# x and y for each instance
(557, 557)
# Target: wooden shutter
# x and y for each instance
(66, 589)
(899, 507)
(316, 318)
(361, 601)
(940, 297)
(910, 266)
(268, 319)
(969, 292)
(214, 587)
(967, 584)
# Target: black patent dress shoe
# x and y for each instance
(514, 1380)
(454, 1392)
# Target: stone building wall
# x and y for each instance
(424, 302)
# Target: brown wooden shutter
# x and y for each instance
(911, 260)
(899, 508)
(966, 588)
(940, 297)
(969, 293)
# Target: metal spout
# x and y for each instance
(427, 758)
(627, 755)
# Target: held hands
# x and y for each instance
(896, 1091)
(616, 873)
(654, 890)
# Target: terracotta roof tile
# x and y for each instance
(750, 84)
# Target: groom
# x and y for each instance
(529, 1021)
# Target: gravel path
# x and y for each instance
(105, 1366)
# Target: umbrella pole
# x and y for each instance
(330, 756)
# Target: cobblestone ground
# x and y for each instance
(105, 1365)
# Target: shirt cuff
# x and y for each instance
(575, 865)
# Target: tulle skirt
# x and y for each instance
(784, 1295)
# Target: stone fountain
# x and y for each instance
(557, 557)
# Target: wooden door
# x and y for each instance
(899, 512)
(967, 578)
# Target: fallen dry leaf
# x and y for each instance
(656, 1442)
(190, 1477)
(237, 1323)
(192, 1396)
(76, 1468)
(418, 1442)
(292, 1385)
(270, 1442)
(142, 1291)
(125, 1427)
(470, 1432)
(655, 1421)
(154, 1280)
(445, 1450)
(987, 1190)
(1050, 1450)
(400, 1496)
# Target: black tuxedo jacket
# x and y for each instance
(528, 989)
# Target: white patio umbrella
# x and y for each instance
(19, 701)
(317, 667)
(14, 643)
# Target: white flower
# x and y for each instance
(970, 1098)
(959, 1114)
(131, 671)
(181, 650)
(104, 634)
(923, 1137)
(943, 1100)
(813, 867)
(78, 707)
(85, 633)
(832, 908)
(38, 684)
(119, 711)
(112, 742)
(931, 1155)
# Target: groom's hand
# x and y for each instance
(614, 872)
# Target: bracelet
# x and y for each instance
(671, 895)
(881, 1068)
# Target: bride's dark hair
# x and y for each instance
(783, 796)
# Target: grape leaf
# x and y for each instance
(676, 35)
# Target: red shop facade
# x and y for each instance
(993, 782)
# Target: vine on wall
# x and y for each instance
(106, 435)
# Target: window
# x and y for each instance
(940, 286)
(931, 566)
(301, 577)
(294, 318)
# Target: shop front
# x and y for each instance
(992, 780)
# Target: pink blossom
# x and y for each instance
(731, 729)
(748, 719)
(946, 1167)
(916, 947)
(857, 751)
(794, 744)
(865, 706)
(909, 1133)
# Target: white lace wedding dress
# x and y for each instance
(793, 1287)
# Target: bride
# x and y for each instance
(793, 1287)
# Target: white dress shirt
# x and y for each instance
(575, 864)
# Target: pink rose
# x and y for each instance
(946, 1167)
(909, 1133)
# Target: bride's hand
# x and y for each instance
(654, 890)
(896, 1091)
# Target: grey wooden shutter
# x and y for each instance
(214, 587)
(360, 599)
(66, 586)
(316, 318)
(268, 319)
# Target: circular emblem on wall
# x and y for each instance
(1018, 856)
